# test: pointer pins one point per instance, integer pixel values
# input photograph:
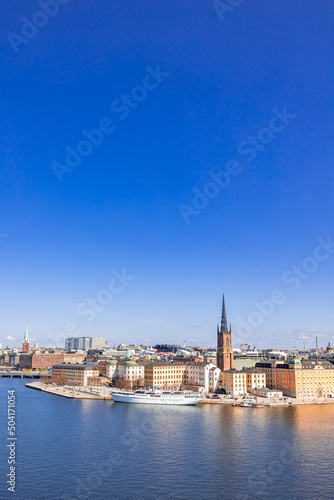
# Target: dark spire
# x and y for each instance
(223, 324)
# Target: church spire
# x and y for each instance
(223, 324)
(224, 343)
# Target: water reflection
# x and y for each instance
(150, 452)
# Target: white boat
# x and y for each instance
(156, 397)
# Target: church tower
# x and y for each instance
(25, 345)
(224, 343)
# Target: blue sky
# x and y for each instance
(197, 92)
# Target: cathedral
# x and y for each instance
(224, 343)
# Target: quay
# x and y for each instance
(18, 374)
(101, 393)
(269, 402)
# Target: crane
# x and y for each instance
(241, 348)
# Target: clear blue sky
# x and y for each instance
(211, 87)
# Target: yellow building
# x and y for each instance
(305, 379)
(238, 383)
(169, 376)
(74, 374)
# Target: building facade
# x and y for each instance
(202, 375)
(47, 359)
(165, 375)
(239, 383)
(305, 379)
(74, 374)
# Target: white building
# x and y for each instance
(269, 393)
(127, 370)
(206, 376)
(214, 377)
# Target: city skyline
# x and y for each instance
(148, 165)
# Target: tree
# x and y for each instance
(61, 380)
(47, 380)
(138, 384)
(122, 383)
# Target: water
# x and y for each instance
(76, 449)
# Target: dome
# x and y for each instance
(131, 362)
(113, 361)
(294, 360)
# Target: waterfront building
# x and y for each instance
(74, 374)
(269, 368)
(85, 343)
(165, 375)
(130, 370)
(269, 393)
(25, 345)
(305, 379)
(224, 343)
(238, 383)
(126, 369)
(205, 376)
(47, 359)
(254, 380)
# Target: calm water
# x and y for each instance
(70, 449)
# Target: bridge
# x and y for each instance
(16, 374)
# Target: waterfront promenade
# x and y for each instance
(77, 392)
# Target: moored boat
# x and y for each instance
(156, 397)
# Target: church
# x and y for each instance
(224, 343)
